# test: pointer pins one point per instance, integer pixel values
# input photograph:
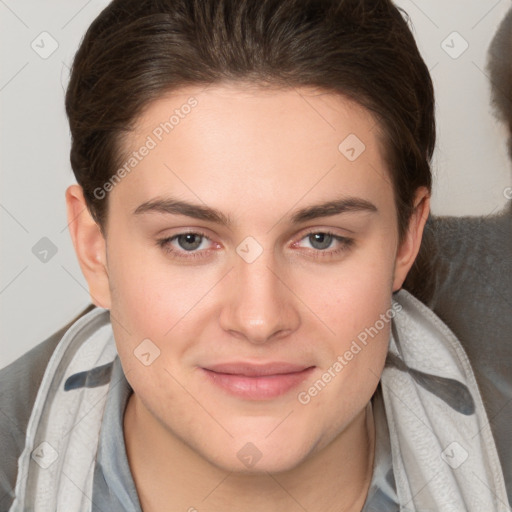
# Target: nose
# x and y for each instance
(261, 304)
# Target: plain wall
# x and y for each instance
(471, 169)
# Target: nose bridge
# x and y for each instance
(260, 304)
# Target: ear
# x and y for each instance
(410, 246)
(90, 246)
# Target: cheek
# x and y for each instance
(352, 296)
(356, 307)
(150, 294)
(148, 302)
(156, 299)
(359, 313)
(361, 322)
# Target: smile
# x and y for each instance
(257, 382)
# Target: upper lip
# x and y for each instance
(257, 370)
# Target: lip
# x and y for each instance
(257, 382)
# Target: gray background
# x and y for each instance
(37, 297)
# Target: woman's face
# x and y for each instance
(251, 254)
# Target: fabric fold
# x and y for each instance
(444, 456)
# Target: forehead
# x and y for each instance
(239, 140)
(307, 112)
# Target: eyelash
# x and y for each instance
(346, 244)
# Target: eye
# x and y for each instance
(323, 240)
(190, 245)
(185, 245)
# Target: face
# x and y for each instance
(251, 254)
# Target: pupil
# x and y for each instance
(322, 238)
(188, 238)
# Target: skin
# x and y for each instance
(258, 156)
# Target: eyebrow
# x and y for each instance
(327, 209)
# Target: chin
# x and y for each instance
(268, 463)
(261, 455)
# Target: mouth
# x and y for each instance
(257, 382)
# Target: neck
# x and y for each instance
(166, 470)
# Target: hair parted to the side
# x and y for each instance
(137, 50)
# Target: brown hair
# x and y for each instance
(499, 66)
(137, 50)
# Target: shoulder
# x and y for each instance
(458, 254)
(465, 277)
(472, 275)
(464, 274)
(19, 384)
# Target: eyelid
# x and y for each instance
(345, 242)
(315, 229)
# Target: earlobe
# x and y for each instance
(410, 247)
(90, 246)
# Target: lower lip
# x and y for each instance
(257, 388)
